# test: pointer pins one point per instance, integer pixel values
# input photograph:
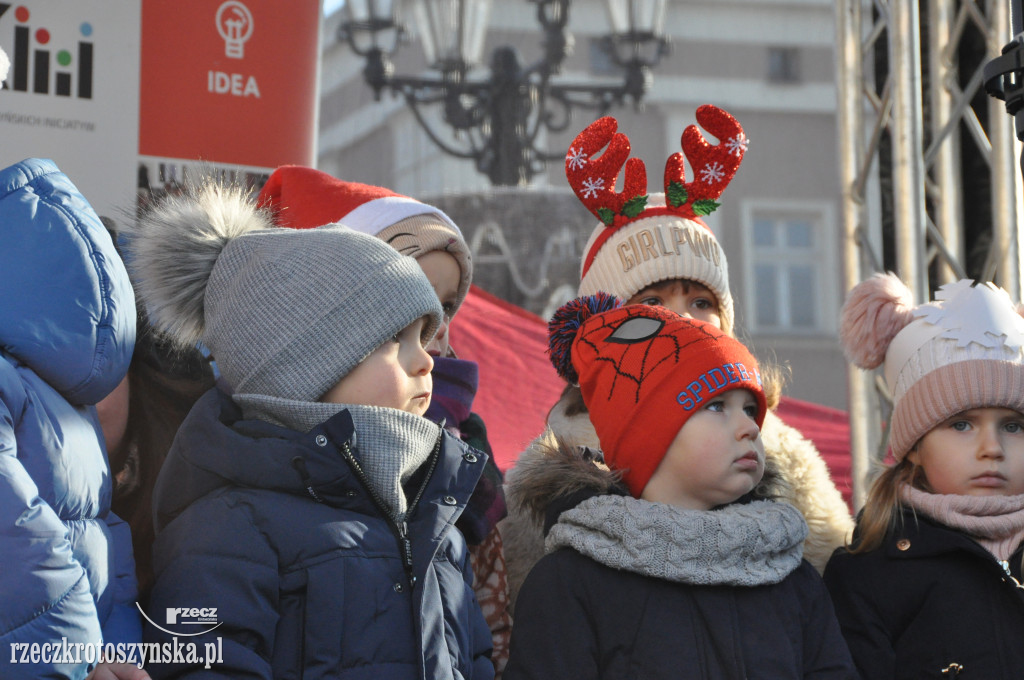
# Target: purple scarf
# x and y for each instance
(455, 384)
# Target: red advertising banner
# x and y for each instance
(229, 81)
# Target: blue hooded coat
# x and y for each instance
(67, 331)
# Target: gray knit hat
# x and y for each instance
(286, 313)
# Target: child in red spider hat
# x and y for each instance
(668, 561)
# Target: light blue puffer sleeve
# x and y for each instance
(44, 593)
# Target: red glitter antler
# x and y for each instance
(593, 179)
(714, 165)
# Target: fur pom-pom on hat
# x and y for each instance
(175, 248)
(874, 312)
(961, 351)
(565, 325)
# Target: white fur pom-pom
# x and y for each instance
(874, 312)
(175, 246)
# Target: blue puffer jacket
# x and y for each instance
(67, 330)
(274, 529)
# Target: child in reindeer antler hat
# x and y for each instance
(673, 560)
(655, 249)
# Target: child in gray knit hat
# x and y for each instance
(312, 510)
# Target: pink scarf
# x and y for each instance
(995, 522)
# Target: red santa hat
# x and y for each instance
(301, 198)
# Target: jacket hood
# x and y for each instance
(72, 317)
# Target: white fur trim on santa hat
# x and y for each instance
(380, 213)
(654, 249)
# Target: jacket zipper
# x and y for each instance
(399, 526)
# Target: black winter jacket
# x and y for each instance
(930, 603)
(597, 622)
(576, 618)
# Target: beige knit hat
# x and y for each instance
(646, 238)
(961, 351)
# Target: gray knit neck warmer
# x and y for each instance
(389, 444)
(752, 544)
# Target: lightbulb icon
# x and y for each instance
(234, 23)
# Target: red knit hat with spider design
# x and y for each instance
(643, 371)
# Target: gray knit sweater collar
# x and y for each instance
(389, 444)
(749, 544)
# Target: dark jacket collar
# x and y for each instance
(215, 448)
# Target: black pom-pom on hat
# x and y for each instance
(566, 323)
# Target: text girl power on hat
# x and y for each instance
(640, 247)
(714, 380)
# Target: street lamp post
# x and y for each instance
(499, 118)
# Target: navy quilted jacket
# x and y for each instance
(309, 579)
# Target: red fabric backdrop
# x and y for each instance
(518, 385)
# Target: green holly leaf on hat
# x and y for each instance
(606, 215)
(704, 207)
(634, 206)
(677, 194)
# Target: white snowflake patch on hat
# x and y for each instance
(982, 314)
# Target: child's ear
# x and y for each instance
(914, 455)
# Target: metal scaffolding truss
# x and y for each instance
(905, 105)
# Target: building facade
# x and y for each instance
(770, 63)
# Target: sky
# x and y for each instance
(330, 6)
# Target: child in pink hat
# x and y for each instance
(931, 584)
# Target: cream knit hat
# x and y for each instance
(646, 238)
(646, 251)
(964, 350)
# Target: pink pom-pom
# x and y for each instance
(874, 312)
(565, 324)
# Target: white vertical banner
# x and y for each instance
(72, 93)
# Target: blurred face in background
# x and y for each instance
(442, 270)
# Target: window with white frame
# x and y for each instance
(788, 273)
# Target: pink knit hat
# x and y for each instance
(964, 350)
(646, 238)
(303, 198)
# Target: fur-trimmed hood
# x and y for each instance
(561, 474)
(794, 471)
